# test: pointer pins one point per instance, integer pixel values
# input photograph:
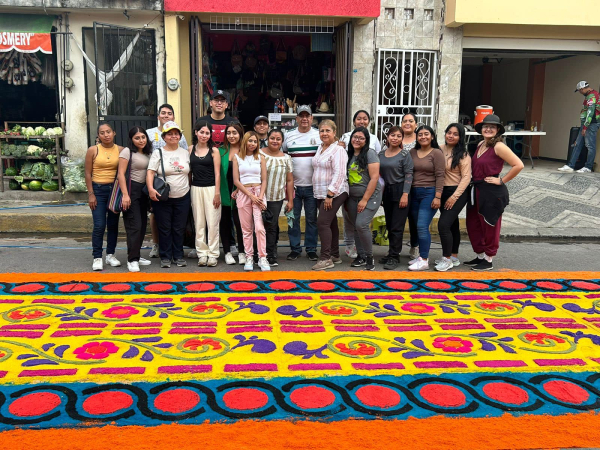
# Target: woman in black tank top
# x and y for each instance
(205, 163)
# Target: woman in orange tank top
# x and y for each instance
(101, 163)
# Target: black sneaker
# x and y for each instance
(293, 256)
(484, 264)
(358, 261)
(272, 262)
(180, 262)
(312, 256)
(165, 263)
(370, 264)
(384, 260)
(391, 264)
(475, 261)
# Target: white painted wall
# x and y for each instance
(561, 105)
(509, 89)
(76, 118)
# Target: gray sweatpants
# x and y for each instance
(359, 225)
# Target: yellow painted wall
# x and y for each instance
(531, 32)
(523, 12)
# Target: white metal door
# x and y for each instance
(406, 83)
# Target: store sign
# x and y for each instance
(25, 42)
(339, 8)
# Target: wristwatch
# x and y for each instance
(329, 196)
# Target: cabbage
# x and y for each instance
(26, 169)
(29, 131)
(34, 150)
(38, 170)
(73, 174)
(39, 131)
(58, 131)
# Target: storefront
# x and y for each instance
(291, 55)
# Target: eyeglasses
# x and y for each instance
(359, 138)
(219, 100)
(489, 127)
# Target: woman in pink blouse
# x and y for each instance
(330, 186)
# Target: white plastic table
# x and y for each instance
(524, 133)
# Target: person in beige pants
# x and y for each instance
(205, 164)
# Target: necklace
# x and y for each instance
(481, 151)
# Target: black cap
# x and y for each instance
(220, 93)
(259, 118)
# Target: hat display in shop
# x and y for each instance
(490, 119)
(220, 93)
(304, 108)
(259, 118)
(170, 125)
(582, 85)
(323, 108)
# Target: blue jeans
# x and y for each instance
(304, 194)
(422, 214)
(589, 140)
(104, 219)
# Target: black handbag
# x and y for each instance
(160, 185)
(267, 216)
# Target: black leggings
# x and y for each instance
(230, 216)
(448, 225)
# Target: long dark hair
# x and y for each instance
(394, 129)
(238, 127)
(147, 150)
(361, 159)
(434, 143)
(460, 149)
(361, 111)
(197, 127)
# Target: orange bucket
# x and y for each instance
(481, 111)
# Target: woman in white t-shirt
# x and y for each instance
(171, 214)
(250, 179)
(135, 201)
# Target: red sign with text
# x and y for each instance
(25, 42)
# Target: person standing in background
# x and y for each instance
(409, 141)
(261, 127)
(590, 122)
(301, 144)
(218, 118)
(165, 114)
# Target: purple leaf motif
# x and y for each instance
(258, 345)
(486, 334)
(487, 346)
(254, 307)
(390, 307)
(79, 309)
(413, 355)
(163, 345)
(163, 315)
(463, 311)
(447, 309)
(90, 312)
(148, 339)
(27, 356)
(39, 362)
(164, 305)
(150, 313)
(60, 350)
(581, 335)
(507, 349)
(147, 356)
(299, 348)
(419, 344)
(290, 310)
(131, 353)
(573, 307)
(47, 346)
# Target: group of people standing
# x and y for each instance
(236, 184)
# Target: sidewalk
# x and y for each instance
(544, 203)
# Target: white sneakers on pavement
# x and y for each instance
(351, 252)
(133, 266)
(419, 264)
(242, 259)
(444, 265)
(154, 252)
(566, 168)
(229, 259)
(584, 170)
(112, 261)
(144, 262)
(454, 259)
(202, 261)
(263, 264)
(97, 264)
(249, 265)
(212, 262)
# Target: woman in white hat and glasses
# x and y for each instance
(171, 214)
(489, 195)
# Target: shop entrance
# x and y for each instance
(269, 69)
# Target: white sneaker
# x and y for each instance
(264, 264)
(133, 266)
(192, 254)
(112, 261)
(414, 260)
(97, 264)
(584, 170)
(154, 252)
(444, 265)
(351, 253)
(566, 168)
(144, 262)
(234, 250)
(229, 259)
(455, 261)
(212, 262)
(414, 253)
(203, 260)
(249, 265)
(420, 264)
(242, 258)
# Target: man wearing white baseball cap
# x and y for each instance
(590, 122)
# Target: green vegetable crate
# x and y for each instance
(34, 148)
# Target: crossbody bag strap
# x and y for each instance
(162, 164)
(129, 172)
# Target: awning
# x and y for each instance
(27, 33)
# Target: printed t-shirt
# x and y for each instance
(358, 179)
(218, 127)
(302, 147)
(177, 168)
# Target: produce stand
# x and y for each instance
(42, 156)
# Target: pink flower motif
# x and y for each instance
(95, 350)
(418, 308)
(120, 312)
(453, 344)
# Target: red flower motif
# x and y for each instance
(362, 350)
(418, 308)
(203, 308)
(496, 306)
(29, 315)
(453, 344)
(539, 338)
(194, 344)
(95, 350)
(120, 312)
(336, 310)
